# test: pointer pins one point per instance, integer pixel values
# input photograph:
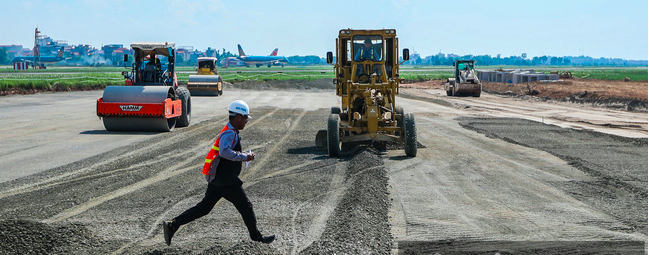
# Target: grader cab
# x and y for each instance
(367, 80)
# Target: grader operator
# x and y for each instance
(367, 80)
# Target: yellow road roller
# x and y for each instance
(207, 82)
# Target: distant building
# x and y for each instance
(12, 50)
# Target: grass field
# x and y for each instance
(77, 78)
(41, 81)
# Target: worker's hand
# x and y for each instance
(251, 156)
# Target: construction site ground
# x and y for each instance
(499, 173)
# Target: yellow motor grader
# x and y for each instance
(367, 80)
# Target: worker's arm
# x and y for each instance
(226, 145)
(358, 55)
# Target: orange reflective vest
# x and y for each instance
(214, 152)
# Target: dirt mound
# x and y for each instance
(31, 237)
(283, 84)
(630, 96)
(359, 224)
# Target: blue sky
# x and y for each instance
(595, 28)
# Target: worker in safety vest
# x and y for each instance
(367, 52)
(221, 170)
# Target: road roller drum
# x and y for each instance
(205, 85)
(139, 108)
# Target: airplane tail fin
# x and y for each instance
(241, 53)
(60, 54)
(274, 53)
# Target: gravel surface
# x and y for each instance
(359, 224)
(116, 201)
(618, 165)
(30, 237)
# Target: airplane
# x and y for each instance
(258, 61)
(43, 59)
(232, 61)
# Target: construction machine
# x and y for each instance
(367, 81)
(151, 99)
(207, 82)
(465, 81)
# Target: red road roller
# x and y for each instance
(151, 99)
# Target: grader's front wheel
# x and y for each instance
(410, 135)
(333, 135)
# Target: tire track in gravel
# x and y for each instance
(153, 234)
(291, 126)
(359, 223)
(334, 194)
(83, 177)
(273, 149)
(55, 180)
(169, 172)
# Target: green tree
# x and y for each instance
(3, 57)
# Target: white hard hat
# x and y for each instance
(239, 107)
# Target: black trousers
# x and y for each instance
(232, 193)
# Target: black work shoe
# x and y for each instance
(169, 230)
(265, 239)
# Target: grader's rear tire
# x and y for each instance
(449, 93)
(410, 135)
(186, 116)
(333, 135)
(399, 110)
(335, 110)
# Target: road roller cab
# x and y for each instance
(465, 81)
(207, 82)
(154, 64)
(367, 81)
(206, 66)
(152, 99)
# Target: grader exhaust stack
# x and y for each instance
(367, 80)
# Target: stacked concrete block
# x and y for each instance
(515, 76)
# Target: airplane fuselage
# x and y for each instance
(263, 60)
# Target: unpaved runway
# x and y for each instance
(563, 114)
(100, 192)
(64, 127)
